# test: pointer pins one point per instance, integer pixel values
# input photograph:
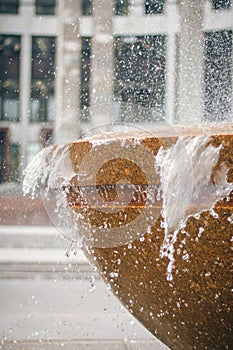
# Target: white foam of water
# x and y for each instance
(50, 168)
(187, 187)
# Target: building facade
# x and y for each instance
(67, 66)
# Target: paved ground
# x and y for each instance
(50, 302)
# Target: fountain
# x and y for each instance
(154, 213)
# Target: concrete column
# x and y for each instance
(25, 89)
(170, 77)
(137, 7)
(67, 127)
(25, 95)
(26, 10)
(190, 62)
(102, 61)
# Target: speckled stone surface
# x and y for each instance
(194, 310)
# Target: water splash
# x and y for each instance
(50, 168)
(48, 175)
(187, 186)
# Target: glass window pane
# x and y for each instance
(9, 6)
(140, 74)
(46, 137)
(45, 7)
(35, 107)
(87, 7)
(85, 75)
(221, 4)
(10, 109)
(153, 7)
(218, 76)
(14, 162)
(51, 108)
(9, 77)
(121, 7)
(4, 155)
(43, 74)
(9, 158)
(33, 149)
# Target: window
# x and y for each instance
(85, 75)
(218, 76)
(14, 163)
(45, 7)
(9, 158)
(46, 137)
(9, 77)
(221, 4)
(43, 73)
(121, 7)
(87, 7)
(34, 147)
(140, 75)
(4, 155)
(153, 7)
(9, 6)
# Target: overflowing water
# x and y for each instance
(187, 186)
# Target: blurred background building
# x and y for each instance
(69, 65)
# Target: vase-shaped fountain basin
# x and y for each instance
(155, 213)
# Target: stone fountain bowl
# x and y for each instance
(182, 296)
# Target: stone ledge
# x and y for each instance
(40, 256)
(99, 344)
(39, 252)
(43, 263)
(32, 236)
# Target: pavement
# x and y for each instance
(49, 300)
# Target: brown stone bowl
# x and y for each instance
(194, 309)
